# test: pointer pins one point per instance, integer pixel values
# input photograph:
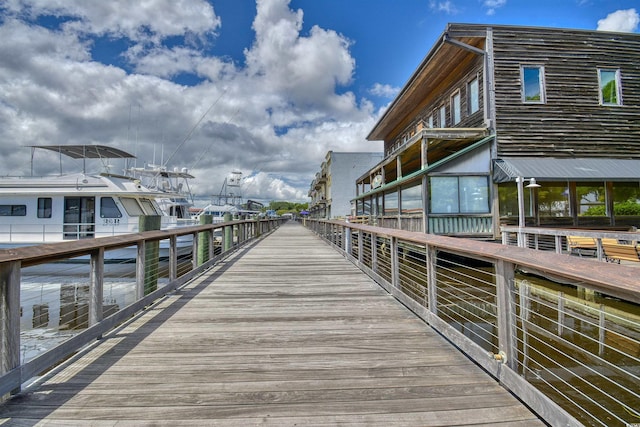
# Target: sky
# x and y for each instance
(264, 87)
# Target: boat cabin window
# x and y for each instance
(109, 209)
(44, 207)
(131, 206)
(149, 207)
(13, 210)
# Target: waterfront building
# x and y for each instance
(332, 189)
(489, 105)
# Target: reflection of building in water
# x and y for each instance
(40, 316)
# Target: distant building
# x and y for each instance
(332, 189)
(492, 104)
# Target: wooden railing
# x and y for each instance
(14, 371)
(582, 242)
(562, 333)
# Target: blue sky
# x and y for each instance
(266, 87)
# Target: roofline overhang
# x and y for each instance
(445, 38)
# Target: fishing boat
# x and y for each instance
(230, 201)
(46, 209)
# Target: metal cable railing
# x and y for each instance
(561, 332)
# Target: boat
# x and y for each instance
(230, 201)
(47, 209)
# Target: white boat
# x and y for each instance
(230, 201)
(48, 209)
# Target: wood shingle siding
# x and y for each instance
(572, 121)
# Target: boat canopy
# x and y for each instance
(87, 151)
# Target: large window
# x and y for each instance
(591, 198)
(391, 203)
(553, 200)
(464, 194)
(412, 199)
(532, 78)
(13, 210)
(473, 95)
(610, 88)
(455, 108)
(626, 198)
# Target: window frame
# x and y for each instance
(442, 116)
(473, 95)
(456, 107)
(541, 84)
(618, 82)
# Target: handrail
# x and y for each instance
(14, 372)
(544, 324)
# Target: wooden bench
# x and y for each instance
(578, 245)
(616, 252)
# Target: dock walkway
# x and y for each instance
(285, 332)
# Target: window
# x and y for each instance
(473, 93)
(150, 208)
(443, 117)
(391, 203)
(109, 209)
(430, 122)
(532, 84)
(44, 207)
(610, 87)
(131, 206)
(412, 199)
(464, 194)
(455, 108)
(13, 210)
(591, 199)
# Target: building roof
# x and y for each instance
(574, 169)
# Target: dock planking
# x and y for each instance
(286, 332)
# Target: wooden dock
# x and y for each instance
(286, 332)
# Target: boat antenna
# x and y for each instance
(186, 138)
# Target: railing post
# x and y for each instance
(505, 275)
(10, 312)
(203, 237)
(96, 287)
(432, 279)
(173, 257)
(140, 269)
(194, 250)
(395, 265)
(374, 252)
(228, 235)
(360, 243)
(347, 239)
(147, 223)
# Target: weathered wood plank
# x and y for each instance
(288, 333)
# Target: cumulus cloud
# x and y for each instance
(492, 5)
(273, 117)
(624, 21)
(382, 90)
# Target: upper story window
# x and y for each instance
(443, 117)
(473, 94)
(455, 108)
(430, 121)
(610, 87)
(532, 77)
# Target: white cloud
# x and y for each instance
(275, 116)
(386, 91)
(447, 7)
(625, 21)
(492, 5)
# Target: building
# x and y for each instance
(491, 105)
(332, 190)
